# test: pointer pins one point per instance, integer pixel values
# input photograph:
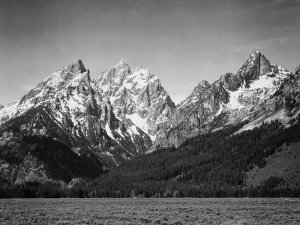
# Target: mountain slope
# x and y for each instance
(71, 102)
(136, 95)
(259, 91)
(72, 126)
(283, 165)
(215, 164)
(34, 146)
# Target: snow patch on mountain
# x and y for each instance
(221, 108)
(83, 113)
(139, 122)
(252, 94)
(234, 99)
(262, 82)
(136, 95)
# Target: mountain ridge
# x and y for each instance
(75, 104)
(230, 100)
(125, 113)
(68, 107)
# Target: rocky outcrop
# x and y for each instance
(76, 67)
(230, 81)
(199, 109)
(136, 95)
(257, 65)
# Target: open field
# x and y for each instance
(150, 211)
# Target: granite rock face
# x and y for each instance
(254, 94)
(136, 95)
(72, 126)
(68, 107)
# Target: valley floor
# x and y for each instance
(151, 211)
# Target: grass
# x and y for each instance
(150, 211)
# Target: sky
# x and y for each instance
(180, 41)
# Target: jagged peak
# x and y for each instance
(256, 53)
(141, 70)
(120, 69)
(226, 76)
(121, 63)
(203, 83)
(76, 67)
(256, 65)
(258, 56)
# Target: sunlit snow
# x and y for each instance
(139, 122)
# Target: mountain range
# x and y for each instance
(71, 126)
(258, 92)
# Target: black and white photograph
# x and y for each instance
(132, 112)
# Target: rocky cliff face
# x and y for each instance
(259, 91)
(114, 118)
(69, 107)
(137, 96)
(100, 123)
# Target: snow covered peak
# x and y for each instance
(136, 95)
(76, 67)
(84, 116)
(144, 74)
(256, 65)
(121, 63)
(254, 57)
(115, 76)
(257, 93)
(198, 95)
(120, 77)
(120, 67)
(203, 84)
(60, 83)
(234, 91)
(256, 54)
(71, 75)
